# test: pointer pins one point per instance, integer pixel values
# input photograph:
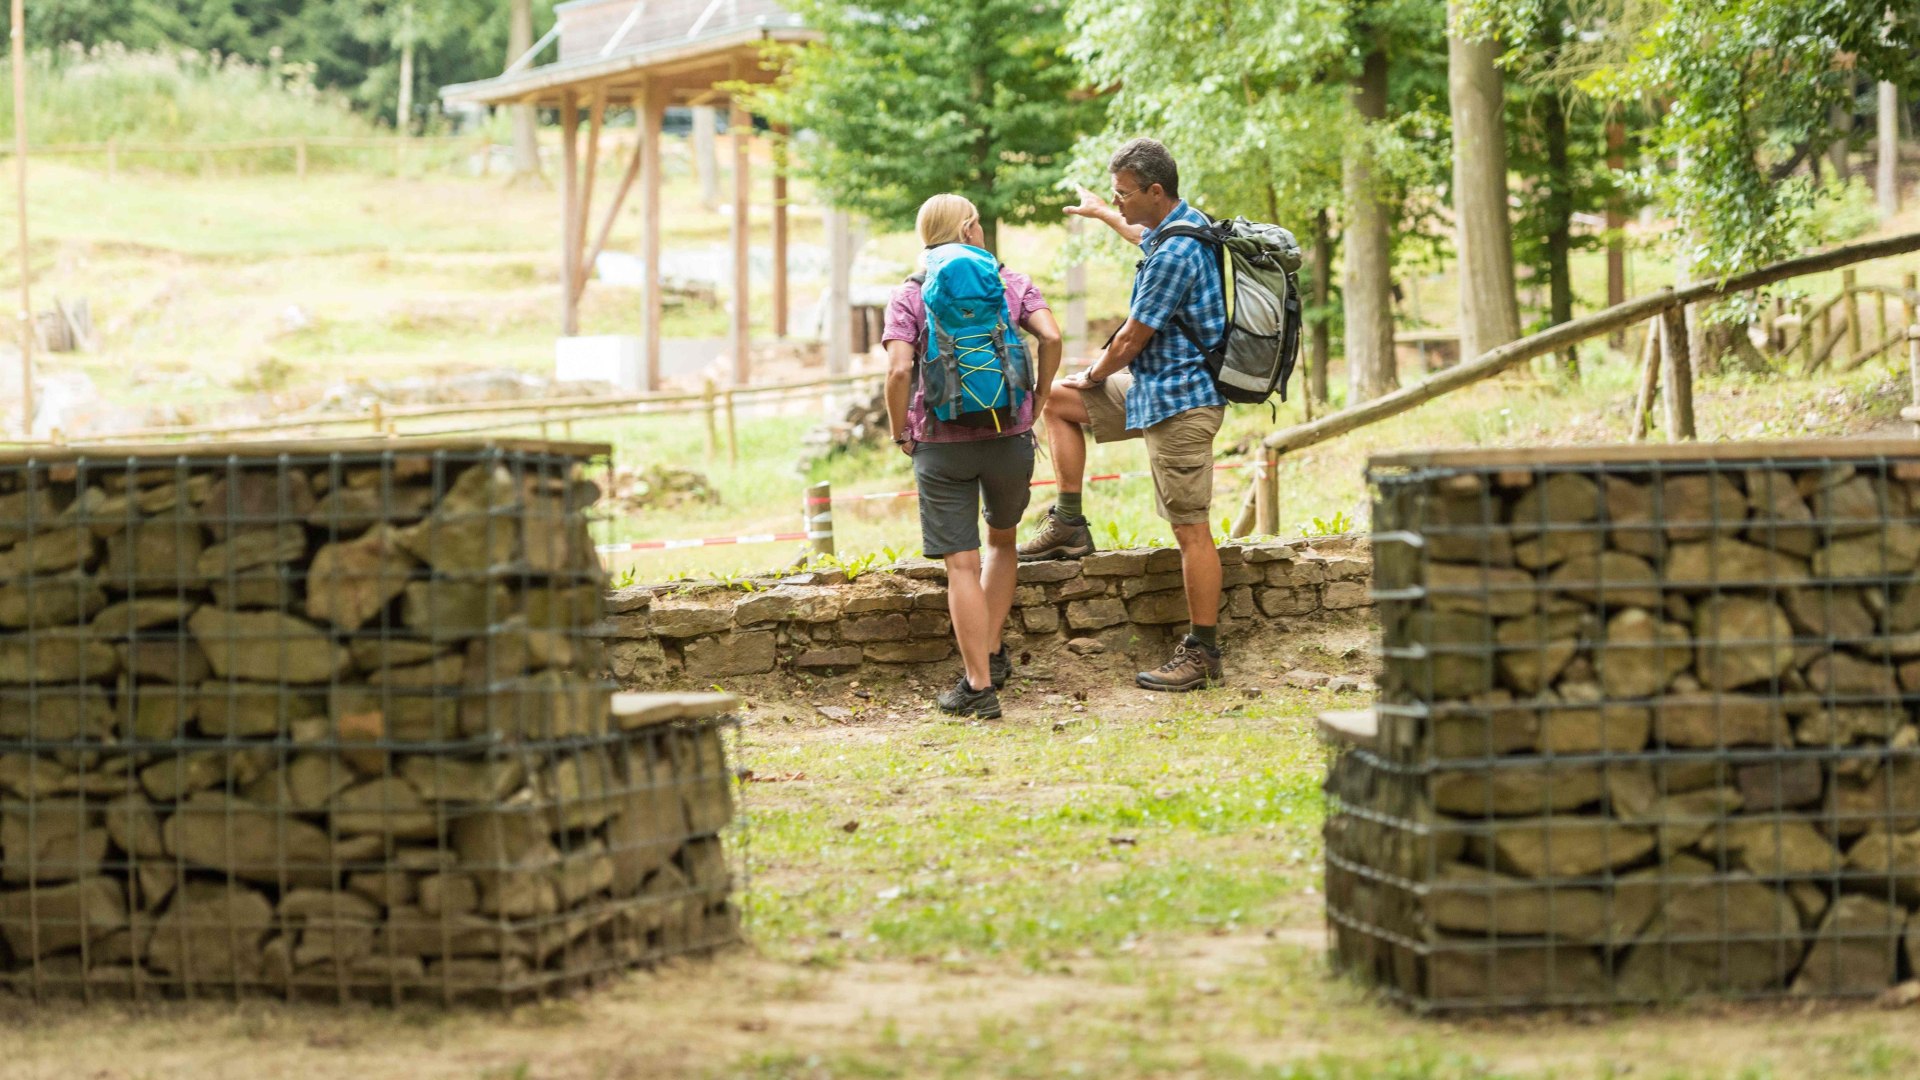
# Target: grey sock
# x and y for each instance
(1067, 505)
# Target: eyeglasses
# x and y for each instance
(1122, 196)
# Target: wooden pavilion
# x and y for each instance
(647, 54)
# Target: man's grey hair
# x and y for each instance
(1149, 161)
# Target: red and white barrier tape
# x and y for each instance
(772, 538)
(878, 496)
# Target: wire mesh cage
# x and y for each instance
(1646, 728)
(329, 720)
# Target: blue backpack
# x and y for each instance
(973, 365)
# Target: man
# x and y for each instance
(1151, 382)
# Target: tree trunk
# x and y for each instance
(526, 142)
(706, 156)
(1320, 347)
(1616, 225)
(403, 112)
(1489, 310)
(990, 229)
(1368, 280)
(1887, 165)
(1841, 120)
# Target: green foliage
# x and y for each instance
(1751, 85)
(1336, 525)
(93, 94)
(914, 97)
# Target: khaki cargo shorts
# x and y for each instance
(1179, 448)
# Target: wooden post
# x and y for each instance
(1886, 332)
(1909, 284)
(596, 117)
(1913, 368)
(707, 396)
(819, 518)
(569, 215)
(733, 438)
(1678, 374)
(300, 158)
(740, 127)
(780, 234)
(1649, 382)
(1266, 492)
(1849, 281)
(18, 44)
(649, 118)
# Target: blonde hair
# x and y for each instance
(943, 218)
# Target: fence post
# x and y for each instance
(300, 158)
(1649, 381)
(1678, 374)
(733, 440)
(1266, 492)
(819, 518)
(1848, 282)
(1910, 284)
(713, 430)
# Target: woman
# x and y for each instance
(961, 470)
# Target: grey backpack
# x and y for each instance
(1257, 263)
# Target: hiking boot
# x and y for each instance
(1058, 539)
(1000, 666)
(964, 700)
(1193, 667)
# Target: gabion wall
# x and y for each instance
(1647, 728)
(330, 720)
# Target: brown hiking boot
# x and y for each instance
(1058, 540)
(1193, 667)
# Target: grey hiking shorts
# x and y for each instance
(961, 482)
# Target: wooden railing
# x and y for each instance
(1665, 359)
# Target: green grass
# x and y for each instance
(1150, 834)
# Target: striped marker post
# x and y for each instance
(819, 518)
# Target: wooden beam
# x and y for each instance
(619, 196)
(740, 129)
(780, 233)
(649, 118)
(569, 215)
(839, 314)
(596, 118)
(1565, 334)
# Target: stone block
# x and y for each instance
(688, 618)
(1079, 588)
(1114, 564)
(1156, 609)
(1094, 614)
(1053, 570)
(1149, 583)
(888, 627)
(1856, 951)
(844, 657)
(1241, 574)
(1742, 640)
(1272, 551)
(1040, 620)
(929, 624)
(1162, 560)
(739, 653)
(211, 933)
(352, 581)
(862, 605)
(1345, 595)
(1280, 602)
(910, 652)
(1239, 602)
(1640, 654)
(51, 919)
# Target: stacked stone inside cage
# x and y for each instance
(1646, 729)
(333, 720)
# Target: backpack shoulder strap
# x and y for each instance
(1209, 235)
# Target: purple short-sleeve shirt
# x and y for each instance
(907, 320)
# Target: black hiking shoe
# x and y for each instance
(1058, 539)
(1000, 667)
(964, 700)
(1193, 667)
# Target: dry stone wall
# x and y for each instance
(1647, 728)
(331, 720)
(1129, 604)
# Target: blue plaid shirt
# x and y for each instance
(1179, 279)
